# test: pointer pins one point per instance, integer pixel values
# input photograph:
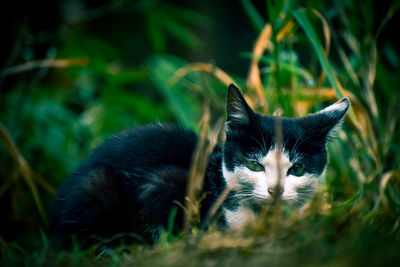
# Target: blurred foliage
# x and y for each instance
(94, 69)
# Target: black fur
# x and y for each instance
(128, 185)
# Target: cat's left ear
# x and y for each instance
(325, 122)
(238, 111)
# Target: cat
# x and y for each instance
(129, 185)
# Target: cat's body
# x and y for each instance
(129, 184)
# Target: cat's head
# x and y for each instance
(262, 168)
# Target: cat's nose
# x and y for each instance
(272, 190)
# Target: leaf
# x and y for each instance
(155, 33)
(44, 63)
(185, 110)
(204, 67)
(182, 33)
(254, 78)
(254, 16)
(323, 59)
(188, 15)
(327, 34)
(25, 170)
(312, 36)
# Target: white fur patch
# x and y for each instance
(239, 113)
(239, 218)
(274, 169)
(338, 106)
(228, 175)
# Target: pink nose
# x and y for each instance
(272, 190)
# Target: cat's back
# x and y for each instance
(106, 193)
(133, 153)
(146, 146)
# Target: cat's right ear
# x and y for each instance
(325, 123)
(238, 111)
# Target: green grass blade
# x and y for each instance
(255, 17)
(185, 110)
(302, 19)
(312, 36)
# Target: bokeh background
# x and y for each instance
(76, 71)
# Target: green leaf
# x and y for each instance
(254, 16)
(182, 33)
(155, 33)
(188, 15)
(274, 8)
(185, 109)
(301, 17)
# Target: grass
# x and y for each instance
(355, 217)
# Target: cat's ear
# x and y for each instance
(324, 123)
(238, 111)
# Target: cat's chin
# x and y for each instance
(258, 204)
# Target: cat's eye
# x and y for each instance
(297, 169)
(254, 166)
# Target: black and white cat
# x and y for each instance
(129, 184)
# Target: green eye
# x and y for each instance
(297, 169)
(254, 166)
